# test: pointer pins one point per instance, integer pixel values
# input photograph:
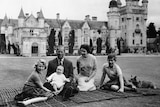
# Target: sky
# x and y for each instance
(70, 9)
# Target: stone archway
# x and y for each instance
(34, 50)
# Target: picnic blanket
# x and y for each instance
(100, 95)
(7, 96)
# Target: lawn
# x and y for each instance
(14, 72)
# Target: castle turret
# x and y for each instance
(4, 24)
(40, 19)
(145, 6)
(119, 3)
(113, 22)
(21, 18)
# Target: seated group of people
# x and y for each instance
(61, 80)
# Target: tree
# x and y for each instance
(51, 41)
(60, 38)
(158, 32)
(107, 45)
(71, 41)
(151, 31)
(157, 41)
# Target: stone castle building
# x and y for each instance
(126, 23)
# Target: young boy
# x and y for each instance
(117, 82)
(58, 79)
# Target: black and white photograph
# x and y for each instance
(79, 53)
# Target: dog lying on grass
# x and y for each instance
(141, 84)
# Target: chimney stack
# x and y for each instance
(58, 16)
(94, 18)
(27, 14)
(87, 18)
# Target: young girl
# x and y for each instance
(33, 89)
(58, 79)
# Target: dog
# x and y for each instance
(141, 84)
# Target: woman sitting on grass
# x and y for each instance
(117, 82)
(87, 68)
(33, 90)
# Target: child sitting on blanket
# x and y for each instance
(58, 79)
(33, 89)
(117, 82)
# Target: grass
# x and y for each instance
(14, 72)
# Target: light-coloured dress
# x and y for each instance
(58, 79)
(86, 66)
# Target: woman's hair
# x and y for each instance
(42, 61)
(86, 47)
(112, 56)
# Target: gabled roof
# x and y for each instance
(97, 24)
(5, 21)
(1, 20)
(54, 23)
(31, 16)
(21, 14)
(119, 2)
(76, 24)
(41, 15)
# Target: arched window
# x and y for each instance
(35, 48)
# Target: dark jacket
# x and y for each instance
(68, 67)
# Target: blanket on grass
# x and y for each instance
(7, 96)
(100, 95)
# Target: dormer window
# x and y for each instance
(31, 32)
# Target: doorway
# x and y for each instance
(35, 49)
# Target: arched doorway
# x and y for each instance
(35, 49)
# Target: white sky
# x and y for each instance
(70, 9)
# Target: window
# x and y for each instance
(31, 32)
(76, 39)
(122, 19)
(133, 42)
(86, 31)
(137, 18)
(141, 42)
(66, 29)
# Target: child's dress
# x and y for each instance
(31, 89)
(58, 79)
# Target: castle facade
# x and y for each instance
(126, 25)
